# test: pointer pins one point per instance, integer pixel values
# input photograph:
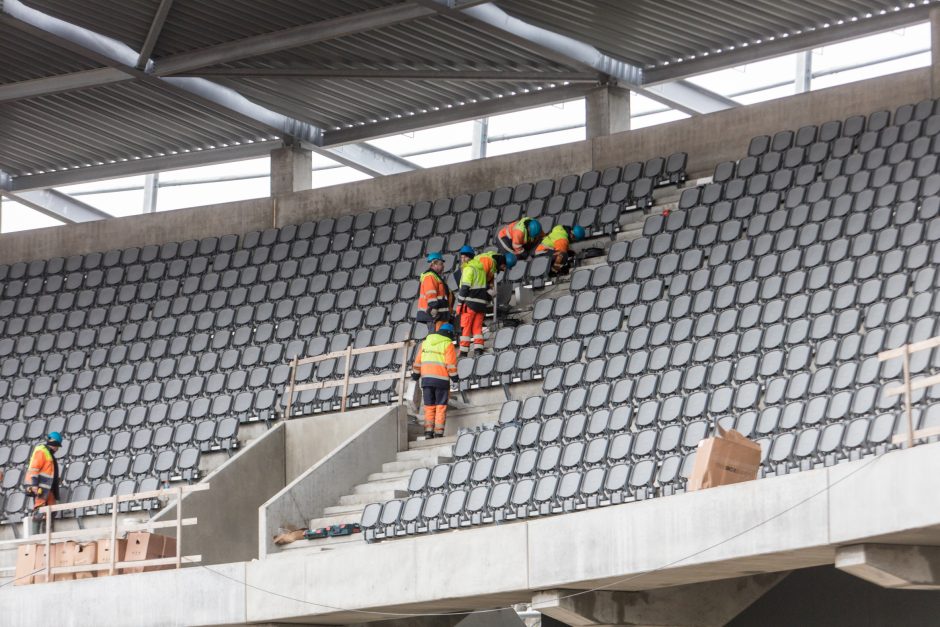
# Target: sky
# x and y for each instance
(885, 53)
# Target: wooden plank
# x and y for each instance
(338, 382)
(913, 348)
(290, 390)
(87, 568)
(918, 435)
(137, 496)
(355, 351)
(100, 533)
(179, 524)
(919, 384)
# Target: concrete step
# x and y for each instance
(320, 543)
(398, 483)
(411, 464)
(372, 497)
(349, 513)
(421, 443)
(430, 451)
(388, 476)
(339, 519)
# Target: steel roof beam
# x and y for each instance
(58, 205)
(312, 72)
(291, 38)
(6, 181)
(456, 114)
(156, 27)
(365, 158)
(144, 166)
(63, 82)
(807, 40)
(688, 97)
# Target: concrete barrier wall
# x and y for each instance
(227, 530)
(708, 139)
(373, 441)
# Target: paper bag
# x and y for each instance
(724, 459)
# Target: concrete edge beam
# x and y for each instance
(907, 567)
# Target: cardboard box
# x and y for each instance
(147, 546)
(104, 554)
(724, 459)
(63, 554)
(84, 554)
(26, 563)
(40, 564)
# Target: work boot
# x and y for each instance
(428, 435)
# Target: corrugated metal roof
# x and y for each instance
(124, 121)
(649, 33)
(129, 120)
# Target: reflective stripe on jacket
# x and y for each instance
(436, 361)
(476, 277)
(516, 235)
(42, 469)
(556, 240)
(433, 295)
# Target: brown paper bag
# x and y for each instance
(724, 459)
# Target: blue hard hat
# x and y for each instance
(54, 436)
(577, 232)
(446, 328)
(535, 229)
(435, 257)
(467, 250)
(510, 260)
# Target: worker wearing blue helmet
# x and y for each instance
(558, 244)
(466, 253)
(521, 237)
(42, 478)
(435, 300)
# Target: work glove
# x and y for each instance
(415, 376)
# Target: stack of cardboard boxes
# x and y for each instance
(139, 546)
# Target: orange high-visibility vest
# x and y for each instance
(517, 234)
(42, 474)
(433, 295)
(557, 240)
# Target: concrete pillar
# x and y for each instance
(607, 111)
(291, 170)
(481, 135)
(698, 605)
(899, 566)
(935, 52)
(151, 188)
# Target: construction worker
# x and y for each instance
(474, 298)
(436, 367)
(557, 243)
(434, 298)
(466, 253)
(521, 237)
(42, 478)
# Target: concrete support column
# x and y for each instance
(607, 111)
(900, 566)
(481, 135)
(291, 170)
(708, 604)
(151, 188)
(935, 52)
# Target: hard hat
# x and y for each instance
(467, 250)
(435, 257)
(535, 229)
(577, 232)
(446, 328)
(55, 436)
(510, 260)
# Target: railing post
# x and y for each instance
(290, 389)
(179, 526)
(114, 510)
(907, 395)
(348, 359)
(406, 344)
(48, 509)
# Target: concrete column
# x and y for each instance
(698, 605)
(899, 566)
(151, 188)
(607, 111)
(291, 170)
(935, 52)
